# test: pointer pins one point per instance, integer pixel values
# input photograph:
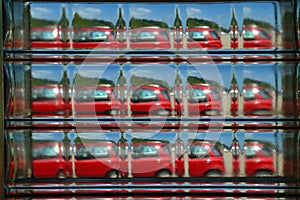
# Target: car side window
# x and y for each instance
(149, 151)
(250, 152)
(101, 95)
(249, 94)
(266, 151)
(248, 35)
(42, 36)
(97, 36)
(144, 36)
(197, 36)
(143, 95)
(44, 94)
(198, 151)
(214, 35)
(196, 95)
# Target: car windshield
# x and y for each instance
(265, 94)
(42, 35)
(248, 35)
(197, 95)
(92, 152)
(249, 94)
(44, 94)
(214, 35)
(165, 94)
(144, 151)
(198, 151)
(197, 36)
(91, 95)
(143, 36)
(215, 94)
(44, 152)
(264, 35)
(216, 151)
(266, 151)
(143, 94)
(250, 151)
(86, 36)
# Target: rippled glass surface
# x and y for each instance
(143, 99)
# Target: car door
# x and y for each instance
(145, 161)
(199, 160)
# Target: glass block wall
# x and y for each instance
(147, 99)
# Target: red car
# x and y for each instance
(202, 99)
(257, 101)
(150, 99)
(48, 37)
(203, 37)
(48, 100)
(95, 100)
(94, 37)
(96, 159)
(149, 38)
(205, 159)
(48, 160)
(253, 36)
(259, 160)
(149, 159)
(256, 37)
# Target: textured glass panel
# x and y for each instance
(186, 99)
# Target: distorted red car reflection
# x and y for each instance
(48, 100)
(257, 100)
(256, 37)
(204, 159)
(95, 100)
(49, 37)
(259, 159)
(203, 37)
(202, 99)
(94, 37)
(48, 161)
(150, 100)
(253, 37)
(148, 159)
(96, 159)
(149, 38)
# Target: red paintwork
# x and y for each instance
(47, 100)
(145, 163)
(200, 37)
(211, 38)
(94, 37)
(261, 38)
(258, 157)
(149, 38)
(95, 159)
(209, 158)
(202, 99)
(256, 99)
(48, 37)
(48, 160)
(141, 105)
(85, 101)
(253, 37)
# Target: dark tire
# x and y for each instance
(114, 112)
(61, 174)
(163, 174)
(163, 112)
(112, 174)
(262, 112)
(211, 112)
(263, 174)
(214, 173)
